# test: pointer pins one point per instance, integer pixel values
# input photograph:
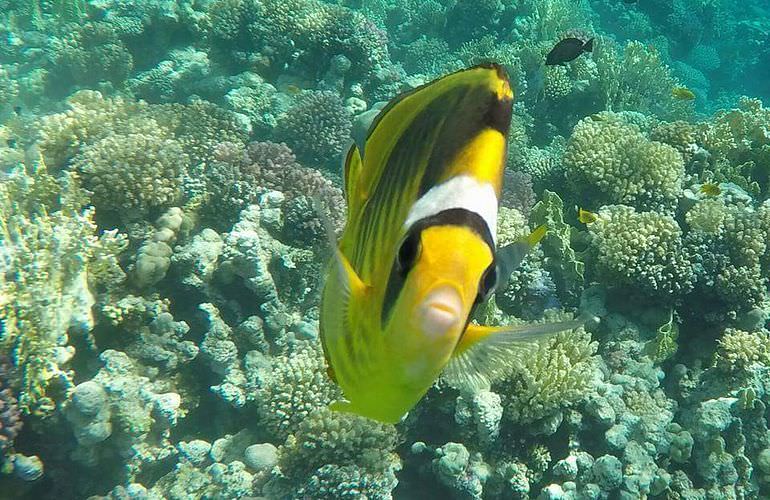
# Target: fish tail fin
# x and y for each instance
(589, 46)
(486, 354)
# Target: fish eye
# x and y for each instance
(488, 283)
(408, 253)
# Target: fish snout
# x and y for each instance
(440, 312)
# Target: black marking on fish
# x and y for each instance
(449, 217)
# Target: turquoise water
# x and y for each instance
(170, 172)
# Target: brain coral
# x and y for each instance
(643, 250)
(608, 161)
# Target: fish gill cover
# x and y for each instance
(161, 254)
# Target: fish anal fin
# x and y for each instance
(487, 354)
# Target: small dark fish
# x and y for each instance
(629, 1)
(567, 50)
(17, 110)
(11, 143)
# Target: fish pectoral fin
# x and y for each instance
(352, 285)
(487, 354)
(510, 257)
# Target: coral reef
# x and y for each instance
(162, 169)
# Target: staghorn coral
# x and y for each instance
(608, 161)
(53, 264)
(317, 126)
(642, 250)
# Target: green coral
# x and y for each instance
(560, 258)
(608, 161)
(641, 250)
(52, 263)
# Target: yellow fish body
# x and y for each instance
(418, 250)
(683, 93)
(586, 217)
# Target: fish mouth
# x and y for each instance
(440, 312)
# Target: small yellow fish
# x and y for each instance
(683, 93)
(587, 217)
(710, 189)
(292, 89)
(418, 253)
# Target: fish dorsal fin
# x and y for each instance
(349, 281)
(486, 354)
(510, 257)
(399, 115)
(352, 175)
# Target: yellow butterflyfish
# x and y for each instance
(418, 252)
(683, 93)
(586, 217)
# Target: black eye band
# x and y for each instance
(409, 251)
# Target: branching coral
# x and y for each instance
(317, 126)
(337, 455)
(609, 161)
(291, 388)
(133, 174)
(10, 416)
(90, 55)
(634, 78)
(643, 250)
(52, 262)
(556, 374)
(728, 247)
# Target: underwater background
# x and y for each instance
(162, 260)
